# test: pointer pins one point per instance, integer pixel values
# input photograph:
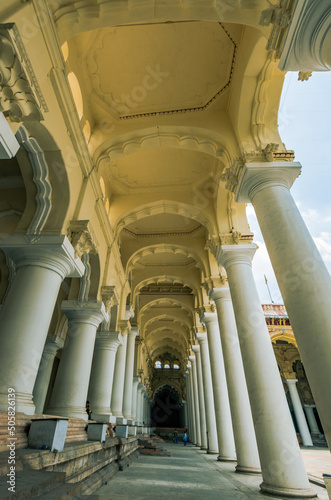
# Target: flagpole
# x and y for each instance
(266, 282)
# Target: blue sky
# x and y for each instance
(305, 126)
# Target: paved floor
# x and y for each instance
(187, 475)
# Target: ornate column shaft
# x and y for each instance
(311, 419)
(282, 465)
(221, 398)
(208, 393)
(71, 384)
(52, 345)
(102, 374)
(41, 265)
(303, 278)
(243, 429)
(299, 413)
(119, 373)
(127, 395)
(135, 383)
(189, 407)
(196, 400)
(197, 368)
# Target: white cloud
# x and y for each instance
(323, 243)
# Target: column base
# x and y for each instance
(23, 402)
(204, 448)
(225, 459)
(121, 420)
(69, 412)
(211, 452)
(241, 469)
(287, 492)
(104, 418)
(129, 421)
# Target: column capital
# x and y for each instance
(209, 318)
(291, 381)
(53, 344)
(189, 368)
(140, 386)
(124, 326)
(222, 293)
(134, 331)
(136, 381)
(192, 359)
(109, 297)
(108, 340)
(53, 252)
(196, 349)
(254, 177)
(227, 255)
(202, 338)
(84, 312)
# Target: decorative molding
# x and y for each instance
(40, 178)
(82, 237)
(303, 76)
(20, 95)
(109, 297)
(279, 16)
(269, 154)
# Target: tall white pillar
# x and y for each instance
(135, 383)
(184, 403)
(225, 438)
(303, 278)
(41, 265)
(281, 461)
(243, 429)
(198, 373)
(190, 379)
(208, 393)
(139, 400)
(102, 374)
(189, 407)
(52, 345)
(129, 364)
(312, 420)
(196, 401)
(72, 380)
(119, 373)
(299, 413)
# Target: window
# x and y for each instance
(158, 364)
(167, 364)
(176, 365)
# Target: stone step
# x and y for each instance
(64, 492)
(30, 484)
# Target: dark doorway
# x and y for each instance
(166, 411)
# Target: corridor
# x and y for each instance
(187, 474)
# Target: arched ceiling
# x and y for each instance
(168, 94)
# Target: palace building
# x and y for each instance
(132, 136)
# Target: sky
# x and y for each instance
(304, 121)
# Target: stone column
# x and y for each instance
(196, 401)
(128, 379)
(184, 403)
(139, 398)
(208, 393)
(311, 419)
(303, 278)
(198, 373)
(190, 380)
(299, 413)
(282, 465)
(53, 344)
(225, 438)
(189, 407)
(72, 380)
(41, 265)
(102, 374)
(119, 373)
(135, 383)
(243, 429)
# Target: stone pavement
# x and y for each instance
(187, 475)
